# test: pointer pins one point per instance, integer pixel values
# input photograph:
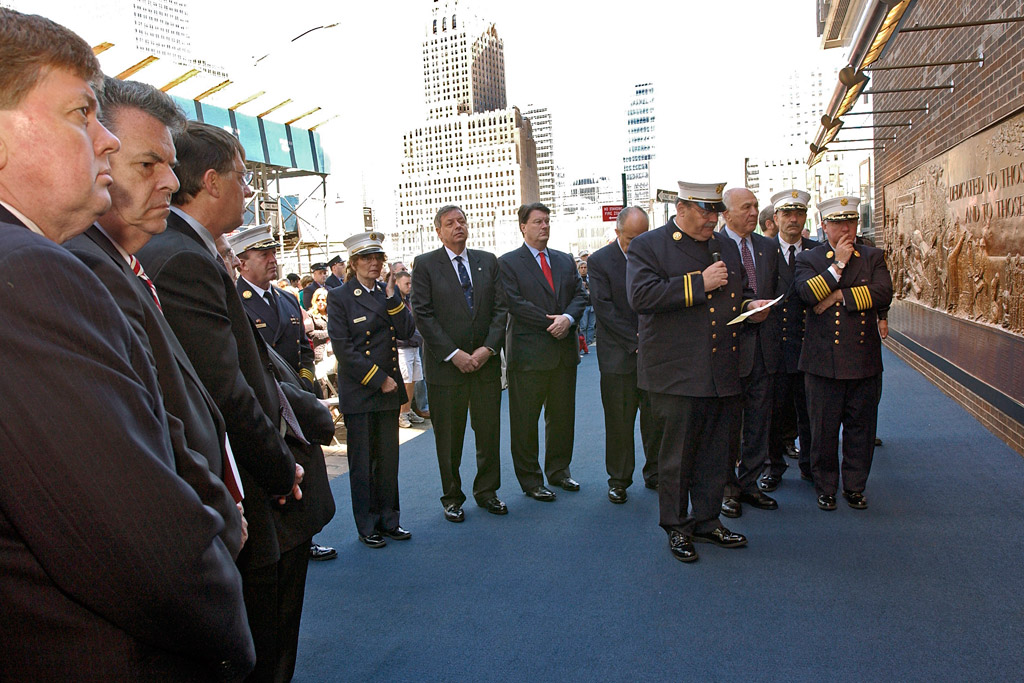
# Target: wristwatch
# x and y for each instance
(839, 264)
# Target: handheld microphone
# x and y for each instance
(716, 254)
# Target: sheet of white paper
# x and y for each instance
(751, 311)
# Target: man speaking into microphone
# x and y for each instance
(686, 283)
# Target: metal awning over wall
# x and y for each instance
(267, 142)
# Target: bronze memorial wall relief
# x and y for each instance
(954, 229)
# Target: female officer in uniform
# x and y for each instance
(365, 319)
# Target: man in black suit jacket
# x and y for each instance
(686, 282)
(461, 314)
(201, 303)
(841, 358)
(760, 355)
(616, 356)
(545, 301)
(337, 276)
(789, 402)
(93, 519)
(142, 117)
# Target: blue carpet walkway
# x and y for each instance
(926, 585)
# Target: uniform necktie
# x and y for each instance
(748, 265)
(274, 318)
(467, 284)
(136, 267)
(547, 270)
(792, 259)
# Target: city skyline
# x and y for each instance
(712, 91)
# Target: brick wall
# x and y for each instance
(982, 97)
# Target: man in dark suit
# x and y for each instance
(545, 301)
(789, 402)
(616, 356)
(319, 273)
(337, 276)
(461, 314)
(93, 518)
(847, 284)
(143, 117)
(760, 355)
(686, 282)
(201, 303)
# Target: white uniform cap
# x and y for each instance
(839, 208)
(365, 243)
(706, 195)
(257, 237)
(790, 199)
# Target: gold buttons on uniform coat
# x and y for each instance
(713, 350)
(712, 323)
(734, 334)
(714, 336)
(367, 353)
(734, 348)
(837, 341)
(712, 310)
(367, 333)
(732, 295)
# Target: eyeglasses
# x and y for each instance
(245, 175)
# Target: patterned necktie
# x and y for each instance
(467, 284)
(748, 265)
(136, 267)
(289, 422)
(547, 270)
(792, 259)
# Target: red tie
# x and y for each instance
(547, 270)
(137, 269)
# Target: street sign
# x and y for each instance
(610, 213)
(668, 196)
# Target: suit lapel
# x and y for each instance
(373, 301)
(532, 266)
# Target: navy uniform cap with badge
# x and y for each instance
(275, 313)
(364, 325)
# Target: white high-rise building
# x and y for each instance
(473, 150)
(636, 163)
(540, 120)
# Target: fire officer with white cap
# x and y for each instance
(365, 319)
(846, 283)
(789, 411)
(686, 282)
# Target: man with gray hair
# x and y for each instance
(766, 219)
(461, 313)
(112, 568)
(144, 118)
(616, 357)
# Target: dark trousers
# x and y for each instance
(751, 446)
(621, 398)
(853, 405)
(693, 459)
(481, 398)
(273, 602)
(555, 392)
(790, 400)
(373, 469)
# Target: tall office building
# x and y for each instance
(636, 163)
(540, 121)
(473, 150)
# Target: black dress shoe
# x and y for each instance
(769, 482)
(721, 537)
(681, 547)
(731, 507)
(856, 500)
(759, 500)
(321, 552)
(398, 533)
(540, 493)
(454, 513)
(494, 506)
(826, 502)
(792, 451)
(617, 494)
(373, 540)
(569, 484)
(653, 485)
